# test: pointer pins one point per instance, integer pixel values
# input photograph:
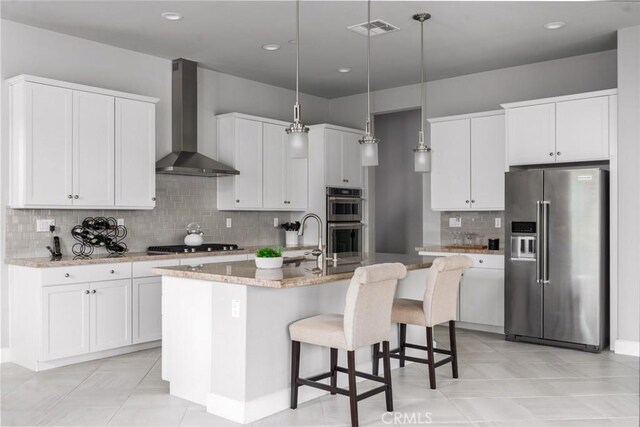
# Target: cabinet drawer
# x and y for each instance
(143, 268)
(486, 261)
(86, 273)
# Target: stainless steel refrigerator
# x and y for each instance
(557, 257)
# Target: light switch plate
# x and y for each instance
(498, 222)
(276, 222)
(455, 222)
(120, 221)
(229, 222)
(43, 224)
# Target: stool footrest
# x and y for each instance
(325, 387)
(360, 374)
(319, 377)
(372, 392)
(443, 361)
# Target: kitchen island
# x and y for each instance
(225, 328)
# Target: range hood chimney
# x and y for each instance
(185, 159)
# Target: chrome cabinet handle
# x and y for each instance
(66, 275)
(473, 201)
(93, 291)
(480, 261)
(237, 200)
(112, 271)
(466, 201)
(551, 154)
(558, 153)
(153, 199)
(69, 196)
(86, 292)
(76, 197)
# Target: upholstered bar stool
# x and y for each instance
(439, 306)
(366, 320)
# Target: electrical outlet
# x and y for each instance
(229, 223)
(455, 222)
(235, 308)
(120, 221)
(498, 222)
(44, 224)
(276, 222)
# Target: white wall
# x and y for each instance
(628, 291)
(31, 50)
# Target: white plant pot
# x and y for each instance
(291, 238)
(269, 263)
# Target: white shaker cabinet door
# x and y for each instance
(48, 146)
(297, 183)
(531, 134)
(248, 161)
(450, 165)
(352, 159)
(274, 179)
(65, 321)
(487, 162)
(147, 313)
(482, 296)
(93, 149)
(582, 129)
(333, 159)
(110, 314)
(135, 142)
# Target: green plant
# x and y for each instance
(269, 252)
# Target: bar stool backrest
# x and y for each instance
(443, 284)
(367, 311)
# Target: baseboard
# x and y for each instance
(629, 348)
(5, 355)
(481, 328)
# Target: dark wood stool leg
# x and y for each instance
(387, 375)
(402, 338)
(454, 349)
(334, 365)
(375, 360)
(430, 361)
(353, 393)
(295, 372)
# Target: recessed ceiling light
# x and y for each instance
(172, 16)
(554, 25)
(344, 70)
(271, 46)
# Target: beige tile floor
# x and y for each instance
(501, 384)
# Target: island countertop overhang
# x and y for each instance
(294, 273)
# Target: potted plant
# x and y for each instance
(291, 233)
(269, 258)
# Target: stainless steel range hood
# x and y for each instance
(185, 159)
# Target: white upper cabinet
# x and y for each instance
(531, 132)
(572, 128)
(343, 164)
(487, 162)
(65, 141)
(467, 164)
(268, 179)
(93, 149)
(135, 153)
(284, 182)
(450, 165)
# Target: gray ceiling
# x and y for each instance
(462, 37)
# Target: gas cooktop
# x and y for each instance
(184, 249)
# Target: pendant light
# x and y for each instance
(422, 152)
(369, 143)
(298, 132)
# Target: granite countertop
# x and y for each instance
(294, 273)
(460, 249)
(103, 258)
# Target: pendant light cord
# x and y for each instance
(297, 46)
(368, 63)
(422, 81)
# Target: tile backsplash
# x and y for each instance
(479, 225)
(181, 200)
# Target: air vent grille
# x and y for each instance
(378, 27)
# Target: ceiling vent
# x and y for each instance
(377, 26)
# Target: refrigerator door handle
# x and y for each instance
(538, 226)
(545, 247)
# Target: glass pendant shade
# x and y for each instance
(298, 144)
(422, 161)
(369, 154)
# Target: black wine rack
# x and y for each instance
(99, 232)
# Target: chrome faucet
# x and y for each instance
(319, 251)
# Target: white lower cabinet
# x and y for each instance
(482, 297)
(65, 321)
(147, 307)
(110, 309)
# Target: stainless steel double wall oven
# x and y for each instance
(344, 221)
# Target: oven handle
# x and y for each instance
(345, 199)
(345, 225)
